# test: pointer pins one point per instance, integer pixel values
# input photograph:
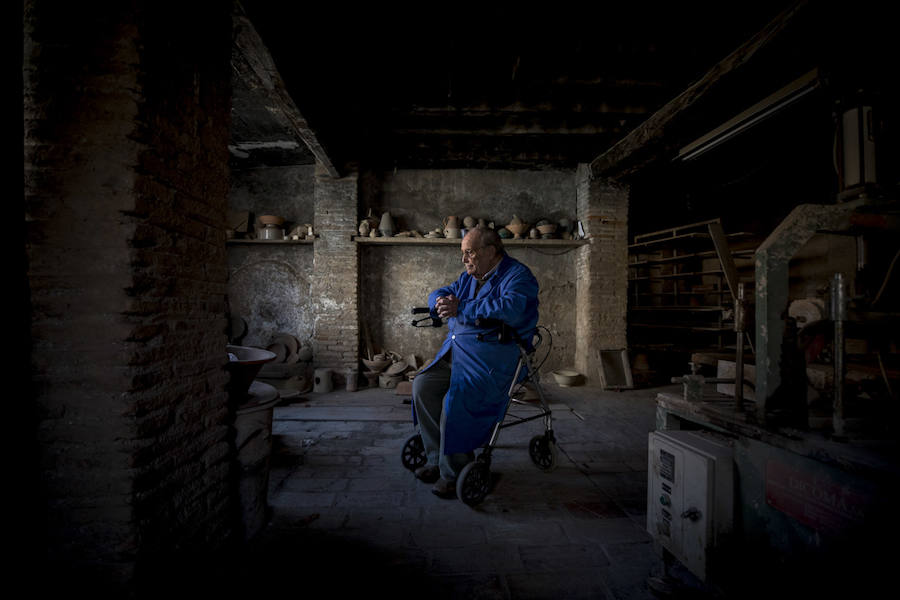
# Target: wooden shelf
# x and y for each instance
(242, 242)
(709, 328)
(674, 308)
(684, 257)
(509, 243)
(677, 275)
(703, 254)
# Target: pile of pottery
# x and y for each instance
(289, 367)
(374, 367)
(388, 370)
(454, 227)
(272, 227)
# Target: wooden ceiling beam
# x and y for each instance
(252, 61)
(652, 139)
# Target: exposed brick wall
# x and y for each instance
(602, 267)
(126, 132)
(335, 277)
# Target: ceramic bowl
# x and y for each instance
(243, 365)
(547, 228)
(517, 229)
(271, 220)
(566, 377)
(377, 365)
(398, 368)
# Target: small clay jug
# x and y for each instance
(364, 228)
(451, 222)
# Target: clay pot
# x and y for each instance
(517, 229)
(451, 222)
(386, 227)
(469, 222)
(364, 228)
(450, 232)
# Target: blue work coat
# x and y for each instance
(482, 371)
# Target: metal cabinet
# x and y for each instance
(690, 496)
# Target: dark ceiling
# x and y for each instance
(478, 86)
(502, 86)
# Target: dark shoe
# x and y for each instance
(444, 488)
(428, 473)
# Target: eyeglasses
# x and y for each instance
(471, 252)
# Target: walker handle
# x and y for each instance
(420, 310)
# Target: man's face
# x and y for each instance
(477, 258)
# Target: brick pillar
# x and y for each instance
(335, 277)
(601, 286)
(126, 178)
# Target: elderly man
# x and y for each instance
(459, 396)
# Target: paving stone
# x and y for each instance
(338, 488)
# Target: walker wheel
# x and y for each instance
(473, 483)
(543, 452)
(413, 455)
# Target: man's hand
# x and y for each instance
(446, 306)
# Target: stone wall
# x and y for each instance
(421, 199)
(397, 278)
(126, 131)
(269, 285)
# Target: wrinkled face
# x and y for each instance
(477, 258)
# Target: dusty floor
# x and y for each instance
(347, 516)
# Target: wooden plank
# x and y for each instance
(421, 241)
(252, 61)
(672, 232)
(725, 258)
(240, 242)
(649, 140)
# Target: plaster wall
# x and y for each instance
(269, 285)
(397, 278)
(394, 279)
(421, 198)
(286, 191)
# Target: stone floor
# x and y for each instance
(347, 517)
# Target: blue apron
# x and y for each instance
(482, 371)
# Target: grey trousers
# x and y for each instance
(429, 389)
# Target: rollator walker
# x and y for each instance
(474, 481)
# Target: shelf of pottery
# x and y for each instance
(375, 230)
(268, 229)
